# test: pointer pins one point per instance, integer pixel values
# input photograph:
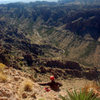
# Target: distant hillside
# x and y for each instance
(49, 30)
(80, 1)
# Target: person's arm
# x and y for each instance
(43, 84)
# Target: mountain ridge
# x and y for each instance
(73, 30)
(80, 1)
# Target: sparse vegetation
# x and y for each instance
(55, 25)
(82, 95)
(3, 77)
(66, 52)
(35, 75)
(40, 28)
(2, 66)
(28, 85)
(49, 31)
(89, 49)
(94, 87)
(89, 92)
(44, 38)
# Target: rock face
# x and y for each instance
(29, 59)
(67, 64)
(74, 73)
(73, 65)
(60, 69)
(55, 63)
(92, 74)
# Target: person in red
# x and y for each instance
(53, 85)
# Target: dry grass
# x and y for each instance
(25, 88)
(92, 87)
(3, 77)
(2, 66)
(27, 85)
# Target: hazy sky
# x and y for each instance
(4, 1)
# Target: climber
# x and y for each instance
(53, 85)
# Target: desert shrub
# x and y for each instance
(82, 95)
(27, 85)
(94, 87)
(2, 66)
(3, 77)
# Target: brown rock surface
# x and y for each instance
(13, 88)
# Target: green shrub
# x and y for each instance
(80, 96)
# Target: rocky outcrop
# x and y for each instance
(74, 73)
(29, 59)
(91, 73)
(66, 64)
(55, 63)
(73, 65)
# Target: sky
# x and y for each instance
(10, 1)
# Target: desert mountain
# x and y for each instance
(50, 30)
(41, 39)
(80, 1)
